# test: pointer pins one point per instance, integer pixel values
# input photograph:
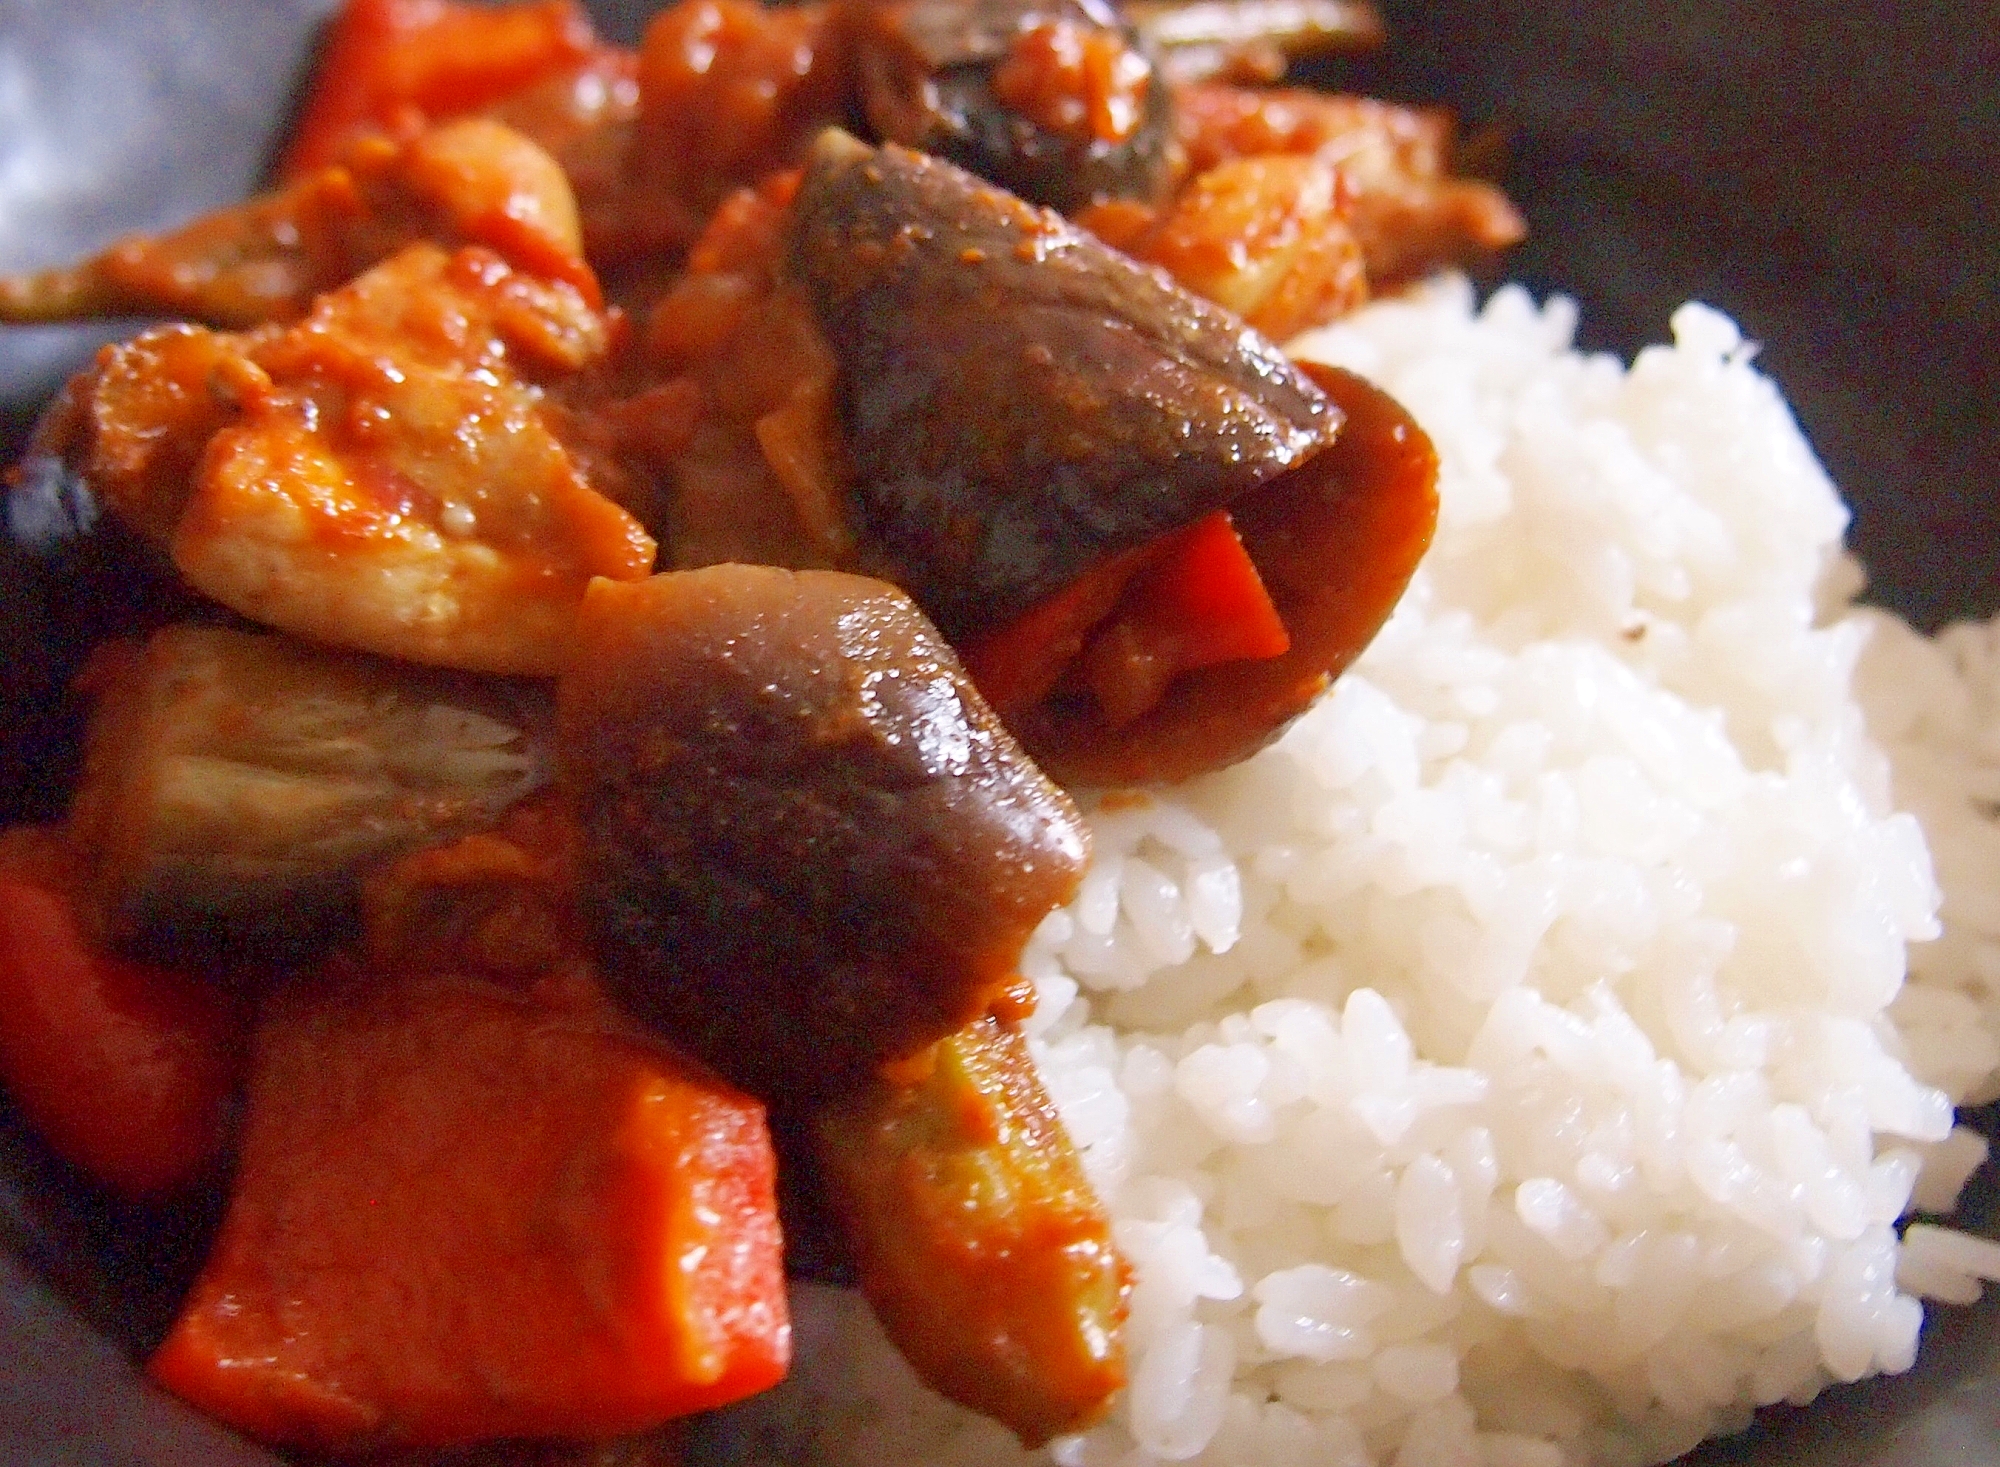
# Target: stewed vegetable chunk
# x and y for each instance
(237, 784)
(1055, 100)
(1019, 401)
(460, 1214)
(979, 1242)
(809, 846)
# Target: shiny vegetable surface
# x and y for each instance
(1334, 543)
(127, 1068)
(460, 1214)
(979, 1242)
(870, 405)
(1057, 101)
(1020, 402)
(237, 784)
(809, 846)
(384, 60)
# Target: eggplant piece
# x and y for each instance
(70, 576)
(809, 847)
(981, 1247)
(1018, 401)
(1335, 543)
(236, 785)
(1058, 101)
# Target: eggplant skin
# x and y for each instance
(1335, 543)
(236, 785)
(1018, 400)
(808, 845)
(927, 72)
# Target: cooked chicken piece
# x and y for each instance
(1410, 213)
(382, 475)
(1268, 237)
(469, 182)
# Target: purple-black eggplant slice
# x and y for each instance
(1018, 401)
(1335, 543)
(1059, 101)
(809, 848)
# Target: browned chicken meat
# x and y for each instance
(383, 475)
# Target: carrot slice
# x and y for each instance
(386, 59)
(126, 1069)
(460, 1215)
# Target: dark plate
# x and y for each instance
(1825, 172)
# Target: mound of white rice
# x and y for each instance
(1524, 1062)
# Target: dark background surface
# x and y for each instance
(1825, 173)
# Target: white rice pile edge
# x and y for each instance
(1527, 1060)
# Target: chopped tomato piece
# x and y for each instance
(388, 60)
(462, 1215)
(126, 1069)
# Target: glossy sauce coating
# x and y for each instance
(1055, 100)
(980, 1244)
(1335, 543)
(809, 847)
(1018, 401)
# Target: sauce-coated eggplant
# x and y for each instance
(1056, 100)
(1019, 401)
(236, 785)
(808, 846)
(979, 1242)
(1335, 543)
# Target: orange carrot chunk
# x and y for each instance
(126, 1069)
(385, 61)
(460, 1216)
(1015, 667)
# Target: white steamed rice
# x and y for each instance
(1524, 1062)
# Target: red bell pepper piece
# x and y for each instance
(1190, 599)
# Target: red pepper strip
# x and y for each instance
(125, 1069)
(1190, 599)
(1015, 667)
(1201, 603)
(384, 59)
